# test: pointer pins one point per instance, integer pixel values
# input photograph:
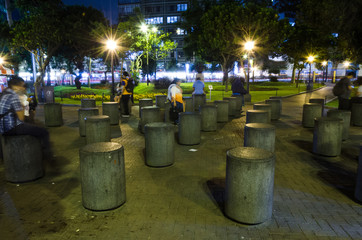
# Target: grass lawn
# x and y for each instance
(333, 103)
(259, 91)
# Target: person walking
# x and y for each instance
(237, 87)
(343, 90)
(174, 95)
(125, 94)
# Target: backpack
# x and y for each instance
(11, 110)
(338, 89)
(130, 85)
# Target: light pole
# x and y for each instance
(145, 30)
(248, 46)
(310, 60)
(112, 46)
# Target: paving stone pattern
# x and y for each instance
(313, 195)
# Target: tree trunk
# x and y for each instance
(225, 78)
(293, 74)
(298, 78)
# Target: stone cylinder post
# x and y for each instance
(189, 107)
(356, 114)
(239, 105)
(189, 128)
(97, 129)
(167, 112)
(149, 115)
(208, 118)
(53, 114)
(260, 135)
(111, 110)
(310, 112)
(345, 116)
(144, 102)
(160, 144)
(276, 106)
(23, 158)
(358, 190)
(327, 136)
(87, 103)
(263, 107)
(320, 101)
(82, 114)
(102, 175)
(161, 100)
(233, 111)
(222, 111)
(281, 102)
(198, 100)
(249, 184)
(257, 116)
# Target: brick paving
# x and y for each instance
(313, 195)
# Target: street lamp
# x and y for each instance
(145, 30)
(111, 46)
(325, 65)
(248, 46)
(346, 65)
(1, 61)
(310, 59)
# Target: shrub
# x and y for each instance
(273, 79)
(162, 83)
(137, 97)
(90, 96)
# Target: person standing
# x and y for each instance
(125, 95)
(345, 88)
(237, 87)
(174, 95)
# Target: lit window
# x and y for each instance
(181, 7)
(154, 20)
(173, 19)
(180, 31)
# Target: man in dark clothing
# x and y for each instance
(345, 84)
(237, 87)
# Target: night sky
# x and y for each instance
(108, 7)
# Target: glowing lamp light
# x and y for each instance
(144, 28)
(111, 44)
(249, 45)
(346, 64)
(310, 59)
(154, 29)
(1, 60)
(324, 63)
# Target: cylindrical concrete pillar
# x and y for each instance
(83, 113)
(53, 114)
(356, 114)
(345, 116)
(281, 102)
(327, 136)
(275, 108)
(160, 144)
(310, 112)
(23, 158)
(249, 184)
(144, 102)
(222, 110)
(232, 106)
(198, 100)
(102, 175)
(97, 129)
(189, 128)
(189, 107)
(257, 116)
(149, 115)
(87, 103)
(320, 101)
(208, 118)
(239, 104)
(167, 111)
(260, 135)
(263, 107)
(161, 100)
(111, 110)
(358, 190)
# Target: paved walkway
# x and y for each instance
(313, 195)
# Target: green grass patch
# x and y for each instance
(333, 103)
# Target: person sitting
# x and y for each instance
(358, 93)
(237, 87)
(198, 86)
(174, 95)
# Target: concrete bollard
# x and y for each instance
(310, 112)
(327, 136)
(97, 129)
(111, 110)
(208, 118)
(144, 102)
(87, 103)
(160, 144)
(345, 116)
(320, 101)
(247, 98)
(358, 190)
(260, 135)
(222, 111)
(198, 100)
(356, 114)
(249, 184)
(149, 115)
(263, 107)
(167, 112)
(189, 129)
(188, 101)
(53, 114)
(161, 100)
(239, 105)
(82, 114)
(102, 175)
(25, 165)
(232, 106)
(281, 102)
(275, 108)
(257, 116)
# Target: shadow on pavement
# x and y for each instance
(216, 187)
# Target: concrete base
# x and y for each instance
(257, 116)
(345, 116)
(249, 184)
(23, 158)
(320, 101)
(144, 102)
(276, 108)
(160, 144)
(88, 103)
(189, 107)
(232, 106)
(208, 118)
(327, 136)
(97, 129)
(198, 100)
(310, 112)
(102, 175)
(149, 115)
(222, 111)
(356, 117)
(247, 98)
(82, 114)
(263, 107)
(53, 115)
(161, 100)
(260, 135)
(111, 110)
(189, 128)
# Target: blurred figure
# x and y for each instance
(174, 95)
(198, 86)
(237, 87)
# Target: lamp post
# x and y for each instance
(248, 46)
(325, 65)
(112, 46)
(310, 60)
(145, 30)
